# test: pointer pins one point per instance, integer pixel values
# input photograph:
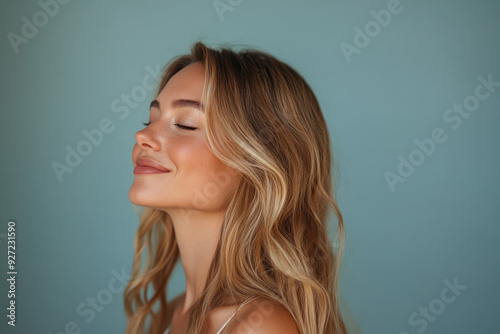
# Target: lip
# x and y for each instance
(148, 166)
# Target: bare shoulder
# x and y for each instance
(263, 316)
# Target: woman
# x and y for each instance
(233, 168)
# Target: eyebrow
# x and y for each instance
(179, 103)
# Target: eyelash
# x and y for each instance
(178, 125)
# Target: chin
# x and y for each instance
(134, 195)
(144, 198)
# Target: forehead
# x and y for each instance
(187, 83)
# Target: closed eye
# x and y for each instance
(177, 124)
(185, 127)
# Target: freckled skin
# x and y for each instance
(191, 183)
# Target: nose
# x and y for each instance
(145, 139)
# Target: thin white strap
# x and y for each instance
(220, 330)
(239, 308)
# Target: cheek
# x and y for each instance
(196, 162)
(193, 156)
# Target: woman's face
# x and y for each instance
(188, 175)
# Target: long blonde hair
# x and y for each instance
(263, 120)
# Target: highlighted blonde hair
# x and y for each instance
(263, 120)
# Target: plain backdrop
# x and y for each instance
(419, 184)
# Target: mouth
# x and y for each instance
(148, 166)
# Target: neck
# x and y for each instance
(197, 234)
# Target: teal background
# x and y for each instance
(441, 223)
